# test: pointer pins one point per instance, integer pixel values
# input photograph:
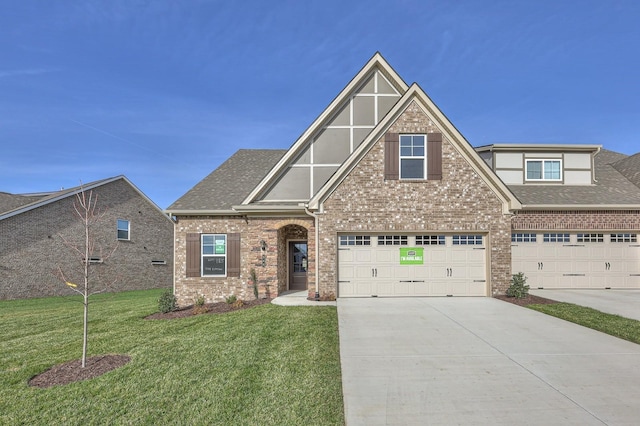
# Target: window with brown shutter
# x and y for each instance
(391, 159)
(193, 255)
(434, 156)
(219, 252)
(233, 255)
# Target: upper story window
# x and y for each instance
(544, 170)
(123, 229)
(413, 158)
(214, 255)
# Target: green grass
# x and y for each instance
(614, 325)
(264, 365)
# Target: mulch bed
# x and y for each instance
(71, 371)
(207, 308)
(529, 299)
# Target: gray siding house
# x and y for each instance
(382, 196)
(31, 247)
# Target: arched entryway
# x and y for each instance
(293, 258)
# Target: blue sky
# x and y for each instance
(165, 91)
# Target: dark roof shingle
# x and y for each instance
(611, 187)
(229, 184)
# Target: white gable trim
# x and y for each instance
(377, 61)
(415, 93)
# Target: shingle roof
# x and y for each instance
(630, 168)
(10, 202)
(229, 184)
(611, 187)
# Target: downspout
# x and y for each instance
(317, 268)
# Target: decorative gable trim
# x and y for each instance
(416, 94)
(376, 62)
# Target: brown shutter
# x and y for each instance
(434, 156)
(193, 255)
(391, 156)
(233, 255)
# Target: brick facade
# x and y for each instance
(599, 220)
(461, 201)
(271, 273)
(31, 248)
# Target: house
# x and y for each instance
(32, 228)
(382, 196)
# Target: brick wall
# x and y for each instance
(272, 275)
(461, 201)
(31, 248)
(599, 220)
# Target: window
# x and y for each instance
(556, 238)
(429, 240)
(123, 229)
(590, 238)
(355, 240)
(523, 238)
(624, 238)
(412, 157)
(544, 170)
(214, 255)
(392, 240)
(467, 240)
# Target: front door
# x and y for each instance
(298, 261)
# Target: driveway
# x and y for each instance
(625, 303)
(417, 361)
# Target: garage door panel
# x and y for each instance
(598, 263)
(447, 270)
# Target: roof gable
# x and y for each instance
(417, 95)
(66, 193)
(333, 136)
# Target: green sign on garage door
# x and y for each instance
(411, 255)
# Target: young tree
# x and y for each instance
(86, 249)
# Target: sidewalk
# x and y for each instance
(298, 298)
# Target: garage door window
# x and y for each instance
(624, 238)
(523, 238)
(393, 240)
(590, 238)
(467, 240)
(429, 240)
(355, 240)
(556, 238)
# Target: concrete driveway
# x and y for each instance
(417, 361)
(625, 303)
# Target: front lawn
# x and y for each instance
(264, 365)
(614, 325)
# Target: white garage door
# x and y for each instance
(411, 265)
(577, 260)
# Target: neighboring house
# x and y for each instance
(31, 246)
(382, 196)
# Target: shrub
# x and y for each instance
(518, 288)
(237, 304)
(198, 306)
(167, 302)
(199, 301)
(231, 299)
(254, 281)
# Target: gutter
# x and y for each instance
(317, 244)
